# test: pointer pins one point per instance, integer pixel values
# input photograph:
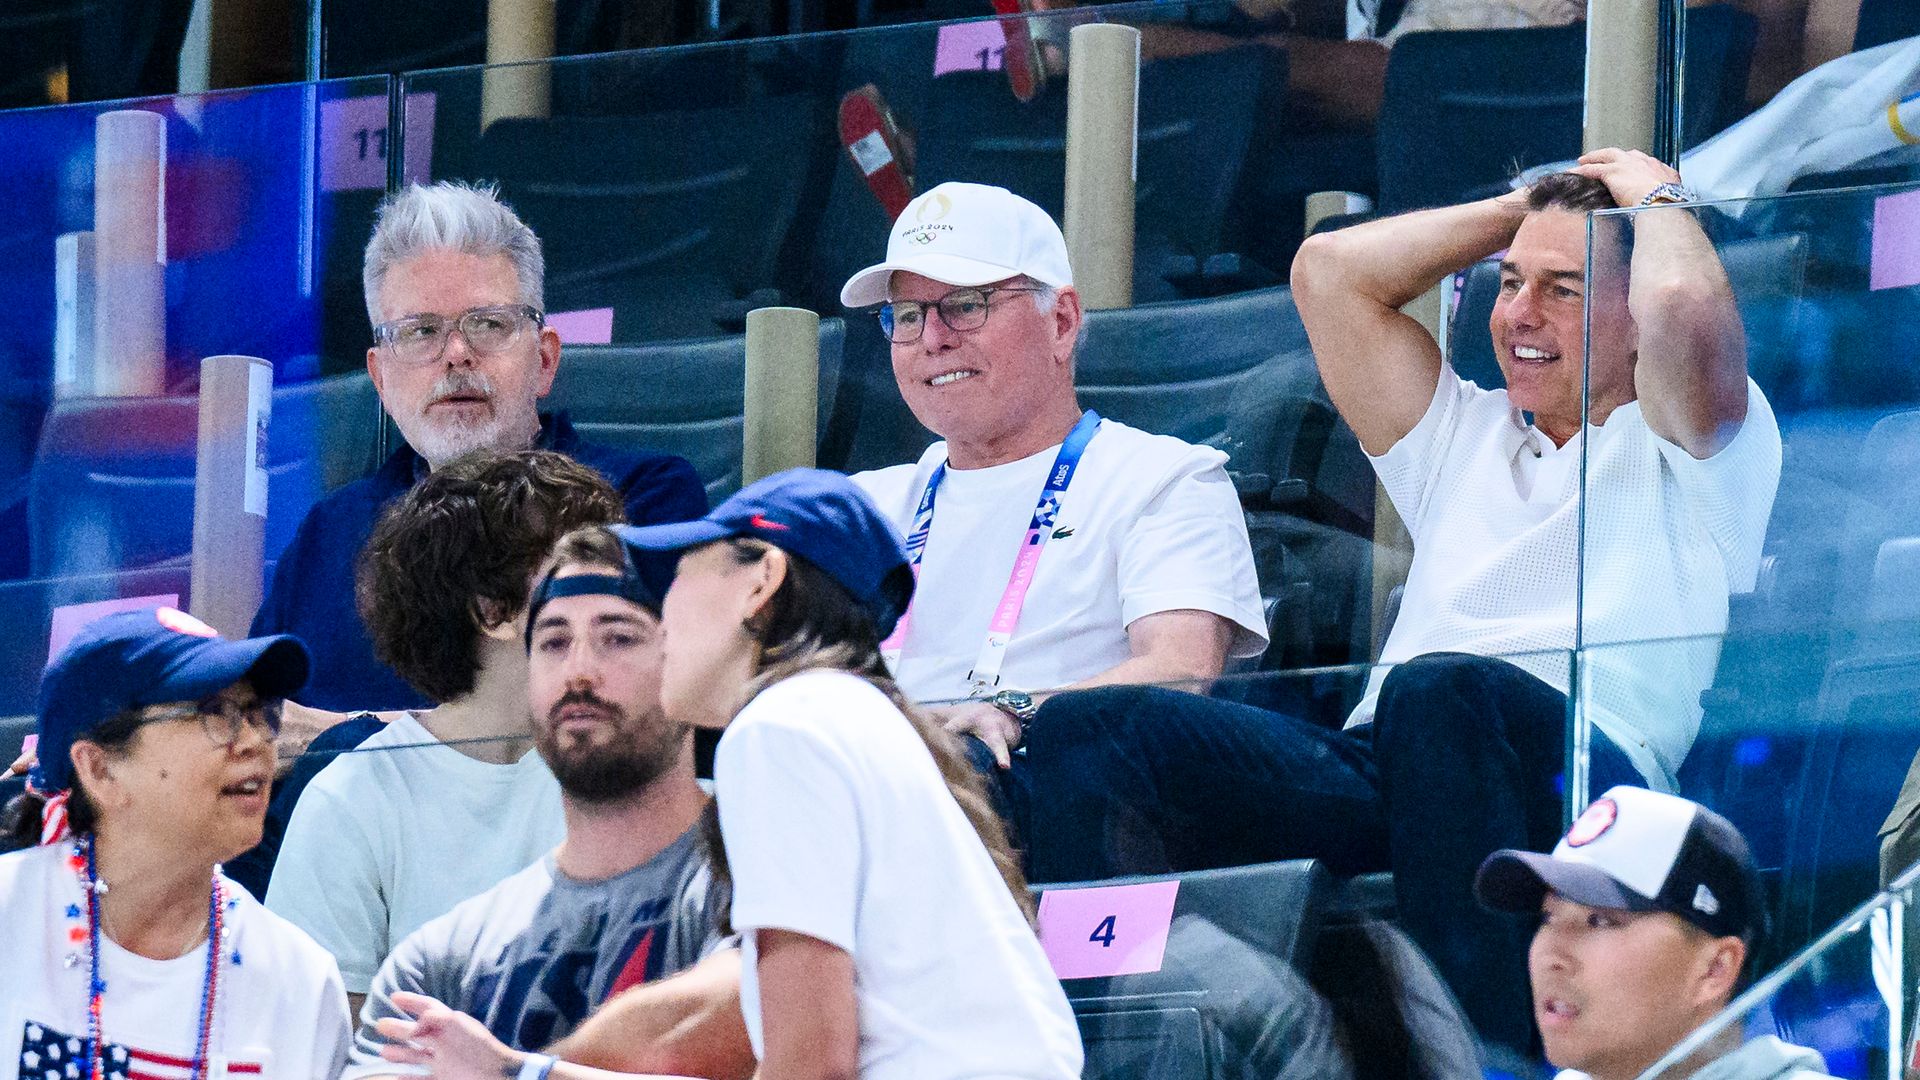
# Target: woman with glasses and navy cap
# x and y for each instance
(885, 928)
(123, 950)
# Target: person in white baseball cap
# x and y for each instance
(1650, 908)
(1067, 550)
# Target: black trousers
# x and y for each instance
(1465, 756)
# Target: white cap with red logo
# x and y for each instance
(1638, 850)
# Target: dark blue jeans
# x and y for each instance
(1464, 757)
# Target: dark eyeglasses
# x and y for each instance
(422, 339)
(903, 321)
(221, 719)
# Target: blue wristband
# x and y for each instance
(537, 1066)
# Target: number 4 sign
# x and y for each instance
(1107, 930)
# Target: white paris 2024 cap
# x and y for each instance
(966, 234)
(1639, 850)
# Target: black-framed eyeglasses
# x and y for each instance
(422, 339)
(903, 321)
(222, 719)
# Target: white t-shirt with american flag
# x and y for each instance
(280, 1013)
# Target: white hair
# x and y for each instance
(456, 216)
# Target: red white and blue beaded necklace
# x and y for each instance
(83, 862)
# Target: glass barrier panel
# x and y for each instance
(145, 237)
(1746, 615)
(1238, 803)
(1840, 1007)
(675, 189)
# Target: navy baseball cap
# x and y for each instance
(815, 514)
(136, 658)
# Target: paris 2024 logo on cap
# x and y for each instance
(927, 217)
(1593, 823)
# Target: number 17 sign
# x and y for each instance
(1108, 929)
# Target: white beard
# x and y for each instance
(512, 425)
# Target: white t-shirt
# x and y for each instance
(397, 832)
(279, 1011)
(1149, 524)
(1494, 510)
(838, 826)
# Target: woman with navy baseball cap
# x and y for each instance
(123, 949)
(884, 923)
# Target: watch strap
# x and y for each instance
(536, 1067)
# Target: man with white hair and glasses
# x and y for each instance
(1054, 549)
(461, 356)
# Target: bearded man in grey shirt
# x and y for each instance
(624, 899)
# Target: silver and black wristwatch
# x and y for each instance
(1669, 193)
(1016, 703)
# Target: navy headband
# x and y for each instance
(626, 585)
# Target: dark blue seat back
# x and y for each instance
(1464, 108)
(669, 218)
(679, 397)
(1197, 118)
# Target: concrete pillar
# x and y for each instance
(1103, 128)
(1623, 56)
(230, 492)
(130, 249)
(517, 30)
(781, 426)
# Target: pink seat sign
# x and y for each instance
(1108, 929)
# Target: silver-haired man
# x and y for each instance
(461, 355)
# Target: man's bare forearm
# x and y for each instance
(1691, 375)
(1392, 261)
(689, 1025)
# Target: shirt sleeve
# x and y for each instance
(1188, 549)
(327, 883)
(1408, 468)
(670, 491)
(274, 615)
(1731, 493)
(331, 1029)
(423, 963)
(791, 824)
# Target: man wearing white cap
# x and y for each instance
(1054, 548)
(1649, 910)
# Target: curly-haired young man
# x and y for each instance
(383, 839)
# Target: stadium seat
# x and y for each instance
(1196, 120)
(1513, 99)
(1718, 56)
(1502, 98)
(671, 219)
(1884, 21)
(692, 402)
(1216, 1006)
(1181, 368)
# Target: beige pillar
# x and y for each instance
(1623, 54)
(517, 30)
(130, 253)
(230, 492)
(780, 428)
(1103, 122)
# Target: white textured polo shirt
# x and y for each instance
(1494, 511)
